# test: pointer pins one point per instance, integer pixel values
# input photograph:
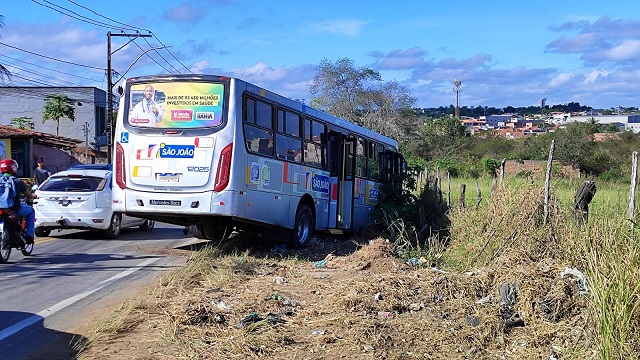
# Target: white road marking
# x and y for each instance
(70, 301)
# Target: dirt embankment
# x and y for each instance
(351, 299)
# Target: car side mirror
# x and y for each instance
(34, 187)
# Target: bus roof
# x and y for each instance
(295, 105)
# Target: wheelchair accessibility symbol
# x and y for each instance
(124, 138)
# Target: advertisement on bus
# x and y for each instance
(176, 105)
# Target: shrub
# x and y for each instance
(417, 225)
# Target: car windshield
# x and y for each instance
(73, 183)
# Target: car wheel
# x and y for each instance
(114, 226)
(302, 227)
(42, 232)
(148, 225)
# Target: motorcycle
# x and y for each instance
(12, 230)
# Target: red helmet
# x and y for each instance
(9, 166)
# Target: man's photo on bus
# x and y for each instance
(147, 111)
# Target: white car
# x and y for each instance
(80, 198)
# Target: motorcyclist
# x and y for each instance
(9, 168)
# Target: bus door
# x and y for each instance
(341, 164)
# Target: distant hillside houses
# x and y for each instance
(513, 126)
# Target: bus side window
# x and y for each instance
(375, 155)
(265, 146)
(250, 111)
(280, 121)
(288, 148)
(258, 140)
(292, 124)
(314, 143)
(264, 115)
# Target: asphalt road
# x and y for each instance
(69, 281)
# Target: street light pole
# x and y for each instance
(110, 86)
(109, 98)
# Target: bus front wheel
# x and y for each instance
(302, 227)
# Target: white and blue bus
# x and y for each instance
(221, 154)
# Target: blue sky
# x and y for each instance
(505, 52)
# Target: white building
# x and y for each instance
(90, 108)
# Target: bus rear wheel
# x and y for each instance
(197, 231)
(302, 227)
(216, 229)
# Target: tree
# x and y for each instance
(490, 166)
(56, 107)
(439, 138)
(360, 96)
(4, 72)
(22, 122)
(338, 88)
(575, 144)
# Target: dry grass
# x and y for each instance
(368, 304)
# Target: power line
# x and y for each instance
(45, 68)
(30, 80)
(44, 75)
(32, 91)
(51, 58)
(161, 43)
(105, 17)
(149, 56)
(125, 25)
(165, 60)
(75, 15)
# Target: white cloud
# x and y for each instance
(561, 79)
(199, 66)
(594, 75)
(260, 72)
(345, 27)
(627, 50)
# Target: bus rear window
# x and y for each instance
(176, 105)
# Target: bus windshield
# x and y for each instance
(175, 105)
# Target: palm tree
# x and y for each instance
(57, 106)
(4, 72)
(22, 122)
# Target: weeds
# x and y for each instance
(418, 225)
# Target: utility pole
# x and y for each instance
(86, 140)
(110, 86)
(456, 89)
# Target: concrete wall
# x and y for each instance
(538, 168)
(54, 159)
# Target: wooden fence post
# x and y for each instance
(438, 185)
(547, 182)
(448, 189)
(581, 201)
(632, 191)
(502, 166)
(463, 188)
(479, 198)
